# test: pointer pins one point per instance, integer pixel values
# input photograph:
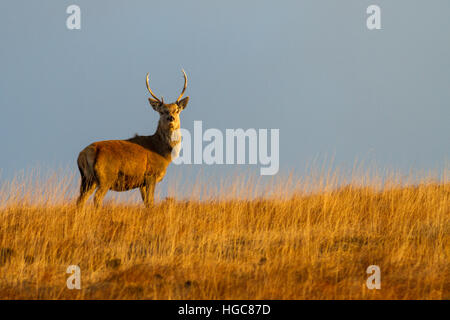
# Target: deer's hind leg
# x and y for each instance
(87, 187)
(99, 195)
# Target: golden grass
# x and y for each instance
(287, 245)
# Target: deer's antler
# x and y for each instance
(185, 86)
(153, 95)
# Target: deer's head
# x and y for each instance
(169, 113)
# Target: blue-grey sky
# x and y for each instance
(310, 68)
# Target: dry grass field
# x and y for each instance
(287, 244)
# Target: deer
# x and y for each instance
(139, 162)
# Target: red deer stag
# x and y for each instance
(139, 162)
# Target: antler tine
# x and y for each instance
(185, 85)
(153, 95)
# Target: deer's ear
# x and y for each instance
(183, 102)
(155, 104)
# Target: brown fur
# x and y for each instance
(139, 162)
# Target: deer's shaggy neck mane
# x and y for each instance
(162, 141)
(170, 138)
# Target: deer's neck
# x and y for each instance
(169, 141)
(164, 142)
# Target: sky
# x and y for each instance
(311, 69)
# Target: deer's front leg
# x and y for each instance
(143, 190)
(148, 191)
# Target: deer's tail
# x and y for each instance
(86, 163)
